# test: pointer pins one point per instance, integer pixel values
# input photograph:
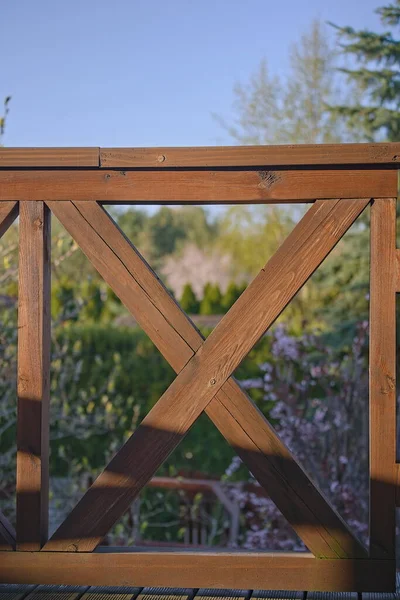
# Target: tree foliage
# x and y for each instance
(375, 78)
(3, 119)
(188, 301)
(292, 109)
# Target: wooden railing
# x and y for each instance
(340, 182)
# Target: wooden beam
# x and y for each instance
(382, 367)
(49, 157)
(8, 214)
(252, 156)
(381, 154)
(246, 570)
(231, 410)
(195, 187)
(33, 375)
(7, 534)
(297, 258)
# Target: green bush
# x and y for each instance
(140, 376)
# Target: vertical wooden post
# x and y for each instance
(383, 378)
(34, 322)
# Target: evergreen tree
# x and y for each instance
(211, 303)
(189, 302)
(376, 78)
(232, 293)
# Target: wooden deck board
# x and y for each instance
(332, 595)
(150, 593)
(208, 594)
(111, 593)
(64, 592)
(15, 591)
(57, 592)
(277, 595)
(377, 596)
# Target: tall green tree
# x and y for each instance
(375, 78)
(211, 303)
(189, 302)
(169, 229)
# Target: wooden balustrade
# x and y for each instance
(340, 182)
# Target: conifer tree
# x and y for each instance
(211, 303)
(189, 302)
(232, 293)
(375, 78)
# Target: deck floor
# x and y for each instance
(64, 592)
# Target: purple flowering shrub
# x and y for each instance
(317, 400)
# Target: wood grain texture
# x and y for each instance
(8, 214)
(387, 154)
(213, 570)
(257, 156)
(193, 389)
(33, 375)
(188, 187)
(382, 368)
(7, 534)
(49, 157)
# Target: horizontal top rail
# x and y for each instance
(367, 155)
(49, 157)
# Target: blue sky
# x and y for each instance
(144, 73)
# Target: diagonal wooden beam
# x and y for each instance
(8, 214)
(331, 226)
(269, 459)
(7, 534)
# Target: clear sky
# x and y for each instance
(144, 72)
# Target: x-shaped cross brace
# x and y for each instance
(204, 381)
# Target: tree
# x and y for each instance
(232, 293)
(6, 110)
(276, 110)
(189, 302)
(376, 78)
(211, 303)
(250, 235)
(168, 230)
(197, 266)
(131, 221)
